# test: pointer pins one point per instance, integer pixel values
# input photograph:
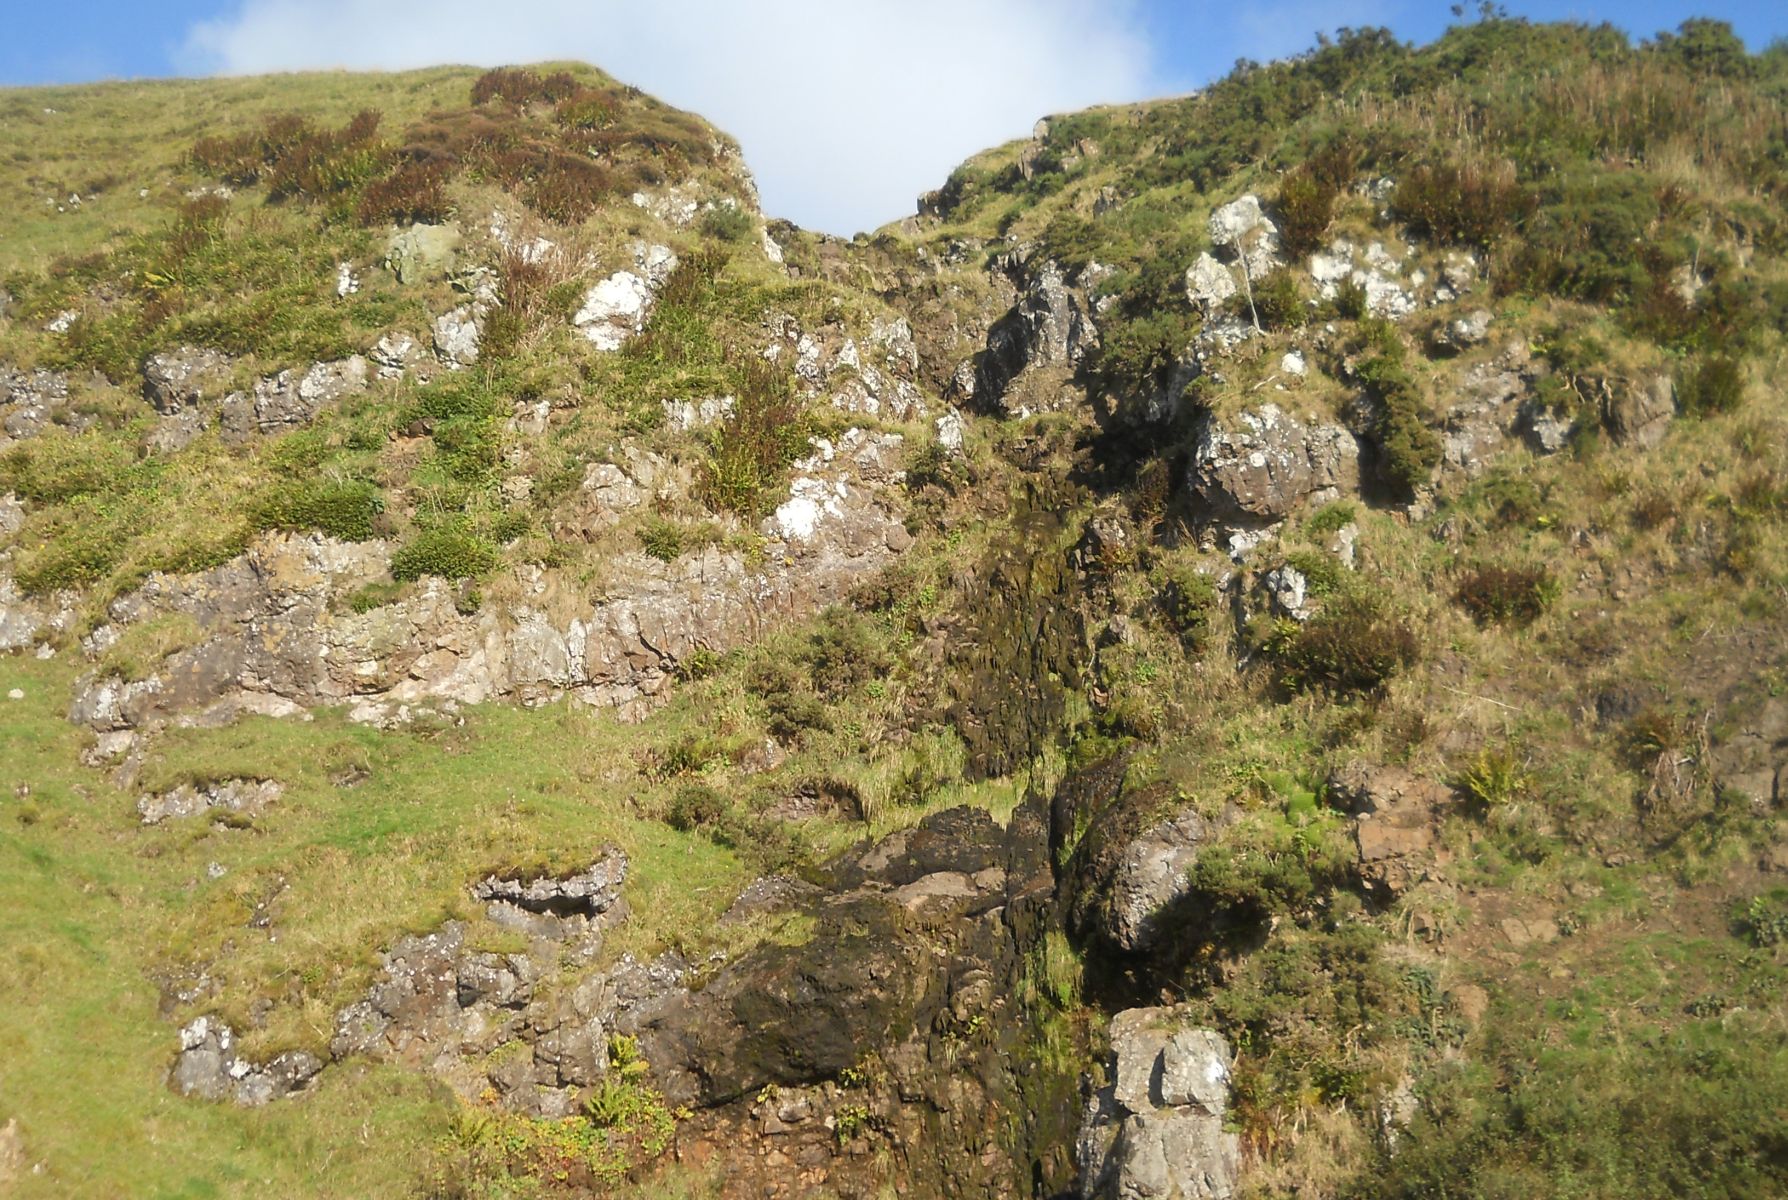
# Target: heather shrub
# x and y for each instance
(1461, 205)
(1350, 647)
(1496, 595)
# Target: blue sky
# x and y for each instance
(856, 105)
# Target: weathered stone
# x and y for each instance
(422, 252)
(1131, 870)
(1209, 284)
(1051, 327)
(209, 1068)
(1269, 465)
(1157, 1129)
(1639, 414)
(242, 797)
(457, 335)
(185, 378)
(1246, 232)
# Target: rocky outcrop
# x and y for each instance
(1491, 408)
(276, 626)
(422, 252)
(1039, 344)
(30, 401)
(209, 1068)
(1639, 413)
(1379, 274)
(1266, 465)
(1129, 880)
(1157, 1128)
(615, 310)
(229, 799)
(869, 372)
(1395, 815)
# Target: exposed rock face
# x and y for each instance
(554, 907)
(1270, 465)
(1639, 414)
(1395, 813)
(277, 638)
(209, 1068)
(29, 401)
(1129, 877)
(457, 335)
(1157, 1129)
(1489, 411)
(240, 797)
(871, 372)
(1050, 332)
(1375, 271)
(1242, 230)
(615, 310)
(289, 400)
(1209, 284)
(185, 378)
(422, 252)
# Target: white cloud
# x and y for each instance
(847, 109)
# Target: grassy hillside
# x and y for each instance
(1567, 979)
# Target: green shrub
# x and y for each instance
(1493, 779)
(1330, 519)
(1280, 302)
(844, 652)
(1496, 595)
(1323, 573)
(446, 551)
(1714, 384)
(753, 448)
(1189, 601)
(344, 509)
(1408, 450)
(697, 807)
(728, 223)
(662, 539)
(1350, 647)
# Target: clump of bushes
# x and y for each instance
(1497, 595)
(727, 223)
(520, 86)
(697, 807)
(448, 551)
(1467, 205)
(1188, 600)
(341, 508)
(414, 193)
(1306, 203)
(58, 466)
(1351, 647)
(295, 158)
(752, 449)
(1408, 450)
(1714, 384)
